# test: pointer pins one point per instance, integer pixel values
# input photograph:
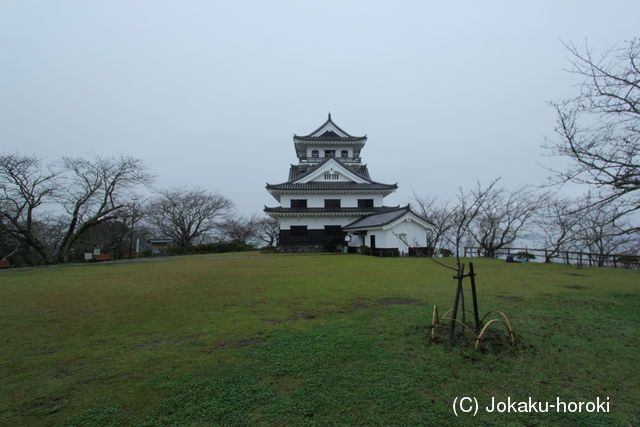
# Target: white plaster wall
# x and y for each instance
(315, 223)
(356, 241)
(416, 236)
(321, 150)
(344, 174)
(317, 200)
(341, 178)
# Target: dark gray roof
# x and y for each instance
(325, 137)
(329, 136)
(297, 172)
(329, 210)
(332, 186)
(360, 170)
(378, 219)
(306, 170)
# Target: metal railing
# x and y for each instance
(561, 256)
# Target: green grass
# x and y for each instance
(277, 339)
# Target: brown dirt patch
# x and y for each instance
(246, 342)
(360, 303)
(299, 316)
(510, 297)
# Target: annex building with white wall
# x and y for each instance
(330, 198)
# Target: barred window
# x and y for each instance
(331, 176)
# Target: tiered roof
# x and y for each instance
(327, 132)
(306, 176)
(329, 211)
(299, 173)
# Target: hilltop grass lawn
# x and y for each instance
(316, 339)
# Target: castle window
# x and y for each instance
(329, 153)
(315, 154)
(298, 203)
(365, 203)
(331, 203)
(344, 154)
(331, 176)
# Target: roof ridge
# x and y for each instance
(329, 120)
(398, 208)
(364, 185)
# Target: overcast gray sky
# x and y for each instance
(209, 93)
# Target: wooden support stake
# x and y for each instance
(454, 314)
(462, 307)
(474, 297)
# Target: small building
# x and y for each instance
(159, 246)
(395, 232)
(330, 190)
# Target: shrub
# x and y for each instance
(210, 248)
(331, 245)
(525, 255)
(445, 252)
(628, 260)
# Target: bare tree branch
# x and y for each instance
(94, 192)
(24, 188)
(502, 218)
(599, 129)
(186, 215)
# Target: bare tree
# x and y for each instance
(94, 192)
(235, 228)
(557, 226)
(108, 236)
(186, 215)
(438, 215)
(599, 129)
(601, 235)
(25, 186)
(502, 218)
(266, 229)
(464, 212)
(132, 215)
(8, 247)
